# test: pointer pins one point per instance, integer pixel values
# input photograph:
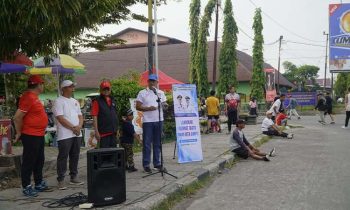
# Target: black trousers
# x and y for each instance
(232, 118)
(68, 147)
(108, 141)
(33, 159)
(272, 132)
(347, 118)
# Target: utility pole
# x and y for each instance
(279, 64)
(150, 38)
(325, 62)
(215, 44)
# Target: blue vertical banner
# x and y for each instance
(188, 135)
(339, 38)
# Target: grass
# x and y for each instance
(185, 192)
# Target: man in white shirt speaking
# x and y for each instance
(69, 123)
(152, 125)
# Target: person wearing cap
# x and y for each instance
(127, 140)
(30, 122)
(269, 128)
(242, 148)
(69, 123)
(105, 119)
(277, 106)
(147, 102)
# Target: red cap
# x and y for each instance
(35, 79)
(105, 84)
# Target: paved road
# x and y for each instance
(311, 171)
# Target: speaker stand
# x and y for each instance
(161, 170)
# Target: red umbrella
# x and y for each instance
(19, 58)
(165, 82)
(17, 63)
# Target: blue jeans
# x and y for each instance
(151, 136)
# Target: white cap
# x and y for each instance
(67, 83)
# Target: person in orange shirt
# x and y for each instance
(30, 123)
(281, 118)
(213, 108)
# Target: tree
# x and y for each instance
(307, 73)
(257, 82)
(195, 9)
(341, 84)
(290, 71)
(228, 58)
(202, 49)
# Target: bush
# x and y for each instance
(124, 88)
(169, 119)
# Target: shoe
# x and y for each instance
(29, 191)
(219, 131)
(290, 136)
(207, 132)
(160, 168)
(228, 132)
(322, 122)
(299, 118)
(61, 185)
(345, 127)
(132, 169)
(332, 122)
(147, 169)
(266, 158)
(41, 187)
(76, 181)
(272, 152)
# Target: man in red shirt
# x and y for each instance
(30, 123)
(281, 118)
(105, 119)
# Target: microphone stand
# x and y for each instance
(162, 170)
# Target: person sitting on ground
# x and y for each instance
(281, 119)
(242, 148)
(127, 140)
(270, 129)
(213, 108)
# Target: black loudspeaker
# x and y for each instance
(106, 176)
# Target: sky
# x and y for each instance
(302, 21)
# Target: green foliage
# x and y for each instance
(301, 74)
(341, 84)
(258, 77)
(124, 88)
(195, 9)
(202, 50)
(228, 58)
(169, 122)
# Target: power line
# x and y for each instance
(280, 25)
(304, 43)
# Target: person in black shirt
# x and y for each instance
(329, 104)
(127, 140)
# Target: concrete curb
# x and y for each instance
(210, 170)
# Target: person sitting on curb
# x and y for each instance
(242, 148)
(281, 119)
(270, 129)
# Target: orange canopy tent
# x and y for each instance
(164, 80)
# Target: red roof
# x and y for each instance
(164, 80)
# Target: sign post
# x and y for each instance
(188, 136)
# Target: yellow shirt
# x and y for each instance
(212, 105)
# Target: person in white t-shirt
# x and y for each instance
(277, 106)
(347, 109)
(69, 123)
(147, 102)
(269, 128)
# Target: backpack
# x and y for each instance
(232, 104)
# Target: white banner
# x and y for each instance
(138, 116)
(188, 135)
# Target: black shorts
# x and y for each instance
(329, 111)
(211, 117)
(241, 152)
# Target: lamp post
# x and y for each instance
(150, 38)
(279, 64)
(325, 61)
(215, 43)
